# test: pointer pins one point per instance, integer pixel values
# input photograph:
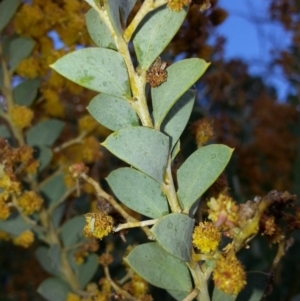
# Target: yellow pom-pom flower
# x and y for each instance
(206, 237)
(30, 202)
(229, 274)
(73, 297)
(177, 5)
(98, 224)
(223, 211)
(21, 116)
(25, 239)
(4, 211)
(29, 68)
(87, 123)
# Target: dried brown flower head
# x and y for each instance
(157, 73)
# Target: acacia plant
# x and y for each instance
(146, 104)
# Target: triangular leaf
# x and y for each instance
(43, 256)
(174, 233)
(19, 49)
(178, 116)
(72, 230)
(14, 225)
(98, 30)
(98, 69)
(118, 12)
(54, 289)
(44, 156)
(144, 148)
(138, 192)
(200, 171)
(87, 270)
(7, 10)
(4, 132)
(159, 268)
(113, 112)
(154, 33)
(181, 76)
(45, 132)
(54, 189)
(26, 92)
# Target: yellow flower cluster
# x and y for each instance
(29, 67)
(30, 202)
(203, 131)
(25, 239)
(9, 185)
(4, 210)
(87, 124)
(177, 5)
(98, 224)
(90, 150)
(229, 274)
(21, 116)
(206, 237)
(223, 211)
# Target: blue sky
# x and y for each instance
(251, 37)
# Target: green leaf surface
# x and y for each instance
(71, 231)
(19, 49)
(98, 30)
(175, 150)
(255, 287)
(173, 232)
(44, 156)
(4, 132)
(154, 33)
(14, 225)
(7, 10)
(57, 214)
(181, 76)
(54, 255)
(113, 112)
(118, 12)
(138, 192)
(93, 3)
(25, 93)
(159, 268)
(54, 289)
(178, 295)
(218, 295)
(177, 118)
(44, 133)
(144, 148)
(125, 8)
(45, 259)
(54, 189)
(87, 270)
(98, 69)
(200, 171)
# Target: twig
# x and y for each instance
(116, 287)
(135, 224)
(102, 194)
(71, 142)
(146, 7)
(193, 294)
